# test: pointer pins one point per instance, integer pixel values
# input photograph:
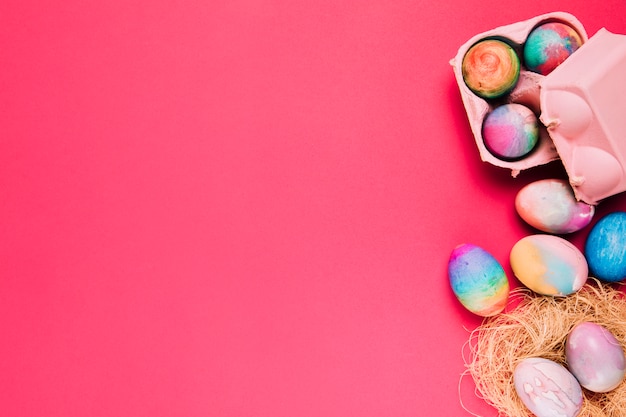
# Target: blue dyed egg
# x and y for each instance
(478, 280)
(605, 248)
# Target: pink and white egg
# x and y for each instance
(547, 388)
(549, 205)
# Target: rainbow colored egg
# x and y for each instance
(478, 280)
(490, 68)
(548, 45)
(511, 131)
(549, 265)
(550, 206)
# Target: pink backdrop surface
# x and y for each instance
(245, 208)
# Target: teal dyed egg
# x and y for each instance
(548, 45)
(605, 248)
(478, 280)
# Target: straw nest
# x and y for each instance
(538, 327)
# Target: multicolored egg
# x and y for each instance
(605, 248)
(510, 131)
(547, 389)
(595, 357)
(550, 206)
(549, 265)
(478, 280)
(490, 68)
(548, 45)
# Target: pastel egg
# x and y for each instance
(605, 248)
(548, 45)
(478, 280)
(550, 206)
(547, 389)
(490, 68)
(549, 265)
(510, 131)
(595, 357)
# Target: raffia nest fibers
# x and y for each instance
(538, 327)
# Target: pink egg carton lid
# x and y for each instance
(583, 105)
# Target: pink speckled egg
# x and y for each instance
(595, 357)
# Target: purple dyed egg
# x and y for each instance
(595, 357)
(511, 131)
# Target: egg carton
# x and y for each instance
(580, 105)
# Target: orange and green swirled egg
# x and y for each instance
(490, 68)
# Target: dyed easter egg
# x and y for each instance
(490, 68)
(550, 206)
(510, 131)
(547, 389)
(605, 248)
(549, 265)
(548, 45)
(478, 280)
(595, 357)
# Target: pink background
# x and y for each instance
(246, 207)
